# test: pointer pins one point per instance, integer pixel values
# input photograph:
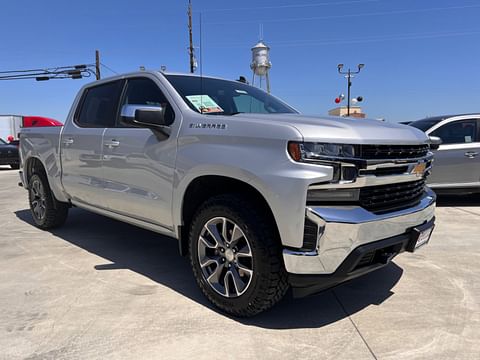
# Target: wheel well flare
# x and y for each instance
(205, 187)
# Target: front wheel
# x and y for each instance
(47, 212)
(235, 256)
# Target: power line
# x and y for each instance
(51, 69)
(412, 36)
(343, 16)
(59, 72)
(349, 2)
(108, 68)
(380, 39)
(40, 77)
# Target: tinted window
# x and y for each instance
(222, 97)
(144, 91)
(249, 104)
(457, 132)
(2, 142)
(425, 124)
(99, 107)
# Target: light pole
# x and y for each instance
(349, 75)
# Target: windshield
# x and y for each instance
(222, 97)
(2, 142)
(425, 124)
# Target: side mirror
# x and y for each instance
(144, 116)
(435, 142)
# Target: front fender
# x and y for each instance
(282, 182)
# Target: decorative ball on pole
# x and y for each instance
(339, 98)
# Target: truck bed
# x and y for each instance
(43, 143)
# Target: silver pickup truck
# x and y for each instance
(260, 197)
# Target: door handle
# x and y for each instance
(471, 154)
(111, 144)
(68, 141)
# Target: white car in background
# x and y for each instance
(456, 166)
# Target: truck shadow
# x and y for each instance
(124, 246)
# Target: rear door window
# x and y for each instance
(458, 132)
(99, 105)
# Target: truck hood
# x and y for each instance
(345, 130)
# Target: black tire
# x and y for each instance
(15, 166)
(47, 212)
(268, 282)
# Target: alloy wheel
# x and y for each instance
(225, 257)
(38, 200)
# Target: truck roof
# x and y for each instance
(153, 72)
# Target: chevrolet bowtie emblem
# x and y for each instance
(419, 169)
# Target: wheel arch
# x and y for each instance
(205, 187)
(33, 165)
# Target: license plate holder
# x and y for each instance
(420, 236)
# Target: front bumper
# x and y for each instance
(362, 260)
(346, 228)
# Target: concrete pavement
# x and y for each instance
(98, 288)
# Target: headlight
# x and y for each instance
(339, 156)
(320, 151)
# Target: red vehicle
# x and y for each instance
(39, 121)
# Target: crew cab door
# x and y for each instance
(457, 161)
(138, 162)
(82, 146)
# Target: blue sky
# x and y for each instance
(422, 57)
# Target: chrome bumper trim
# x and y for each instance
(363, 179)
(347, 227)
(369, 180)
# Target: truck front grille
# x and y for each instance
(385, 198)
(375, 152)
(387, 171)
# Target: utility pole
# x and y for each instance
(190, 48)
(97, 64)
(349, 75)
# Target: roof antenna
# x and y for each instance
(201, 64)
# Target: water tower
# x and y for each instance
(260, 63)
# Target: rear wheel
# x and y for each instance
(47, 212)
(235, 256)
